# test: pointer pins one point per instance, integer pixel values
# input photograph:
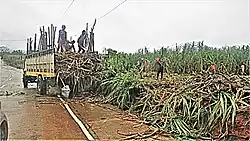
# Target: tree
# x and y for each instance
(111, 51)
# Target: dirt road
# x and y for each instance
(31, 116)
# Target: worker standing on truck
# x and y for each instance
(62, 39)
(81, 41)
(159, 67)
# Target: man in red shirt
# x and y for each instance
(213, 68)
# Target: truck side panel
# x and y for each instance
(41, 63)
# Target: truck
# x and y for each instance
(39, 68)
(40, 62)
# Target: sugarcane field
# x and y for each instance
(139, 77)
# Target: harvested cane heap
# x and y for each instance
(80, 71)
(204, 105)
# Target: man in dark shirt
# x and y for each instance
(62, 39)
(81, 42)
(159, 67)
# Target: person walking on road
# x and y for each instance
(62, 39)
(81, 42)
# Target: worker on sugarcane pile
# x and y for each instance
(159, 68)
(81, 42)
(62, 39)
(213, 68)
(69, 47)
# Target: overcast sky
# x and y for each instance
(135, 24)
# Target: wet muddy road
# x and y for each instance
(31, 116)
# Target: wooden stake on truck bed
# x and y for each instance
(35, 43)
(40, 40)
(30, 45)
(43, 39)
(46, 39)
(49, 37)
(27, 52)
(54, 35)
(91, 43)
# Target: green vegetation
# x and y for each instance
(14, 58)
(188, 59)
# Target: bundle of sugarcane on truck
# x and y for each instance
(50, 66)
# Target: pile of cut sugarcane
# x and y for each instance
(80, 71)
(204, 105)
(199, 106)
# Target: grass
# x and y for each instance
(16, 61)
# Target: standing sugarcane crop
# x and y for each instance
(145, 67)
(141, 67)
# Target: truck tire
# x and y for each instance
(44, 87)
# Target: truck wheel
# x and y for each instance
(44, 87)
